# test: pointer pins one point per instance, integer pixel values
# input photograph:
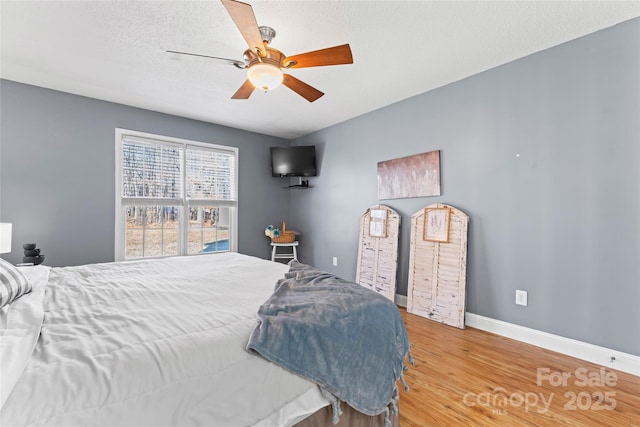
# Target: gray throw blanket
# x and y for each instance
(349, 340)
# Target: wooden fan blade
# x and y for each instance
(336, 55)
(242, 15)
(237, 63)
(301, 88)
(245, 91)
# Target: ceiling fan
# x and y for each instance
(264, 64)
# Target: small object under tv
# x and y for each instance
(293, 161)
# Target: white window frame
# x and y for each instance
(120, 223)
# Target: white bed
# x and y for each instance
(150, 342)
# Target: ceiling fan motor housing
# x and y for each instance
(272, 56)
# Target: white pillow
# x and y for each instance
(13, 284)
(20, 324)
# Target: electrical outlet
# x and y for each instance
(335, 260)
(521, 297)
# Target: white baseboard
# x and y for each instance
(591, 353)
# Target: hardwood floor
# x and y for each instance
(474, 378)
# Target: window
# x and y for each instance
(173, 196)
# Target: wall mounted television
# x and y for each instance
(293, 161)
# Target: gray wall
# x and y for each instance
(561, 220)
(57, 163)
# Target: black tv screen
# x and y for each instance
(293, 161)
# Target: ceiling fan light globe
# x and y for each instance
(265, 76)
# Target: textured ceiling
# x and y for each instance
(116, 51)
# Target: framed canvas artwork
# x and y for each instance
(412, 176)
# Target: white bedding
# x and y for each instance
(156, 342)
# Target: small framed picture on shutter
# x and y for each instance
(436, 224)
(378, 223)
